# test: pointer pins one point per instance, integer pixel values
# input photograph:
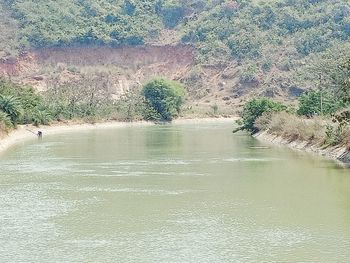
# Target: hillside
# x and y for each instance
(238, 48)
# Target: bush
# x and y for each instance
(245, 46)
(11, 105)
(291, 127)
(310, 103)
(5, 120)
(333, 134)
(311, 41)
(165, 97)
(41, 117)
(255, 108)
(249, 74)
(172, 15)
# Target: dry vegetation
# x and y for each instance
(320, 131)
(128, 68)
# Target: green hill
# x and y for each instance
(276, 44)
(241, 29)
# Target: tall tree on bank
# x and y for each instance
(165, 97)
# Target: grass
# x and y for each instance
(294, 128)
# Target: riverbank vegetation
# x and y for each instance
(164, 98)
(281, 50)
(160, 100)
(322, 130)
(322, 116)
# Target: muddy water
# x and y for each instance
(174, 193)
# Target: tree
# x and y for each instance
(165, 97)
(318, 102)
(255, 108)
(84, 97)
(172, 14)
(344, 91)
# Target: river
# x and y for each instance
(170, 193)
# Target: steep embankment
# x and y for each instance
(339, 153)
(320, 135)
(127, 68)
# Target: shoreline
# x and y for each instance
(26, 132)
(336, 153)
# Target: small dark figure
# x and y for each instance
(40, 134)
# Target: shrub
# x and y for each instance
(11, 105)
(5, 120)
(291, 127)
(215, 109)
(249, 74)
(255, 108)
(310, 42)
(310, 103)
(172, 15)
(150, 114)
(41, 117)
(165, 97)
(245, 46)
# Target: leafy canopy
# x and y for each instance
(165, 97)
(316, 102)
(255, 108)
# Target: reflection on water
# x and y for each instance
(171, 193)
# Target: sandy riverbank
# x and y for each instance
(338, 153)
(27, 132)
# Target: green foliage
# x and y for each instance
(270, 39)
(255, 108)
(60, 23)
(338, 132)
(150, 113)
(25, 98)
(41, 117)
(5, 120)
(333, 134)
(311, 41)
(316, 102)
(344, 90)
(244, 45)
(9, 42)
(45, 23)
(88, 99)
(273, 34)
(327, 70)
(286, 33)
(131, 107)
(249, 25)
(215, 109)
(81, 98)
(165, 97)
(11, 105)
(172, 13)
(249, 73)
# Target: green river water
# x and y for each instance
(171, 193)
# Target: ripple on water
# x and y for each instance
(134, 191)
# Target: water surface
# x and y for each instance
(173, 193)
